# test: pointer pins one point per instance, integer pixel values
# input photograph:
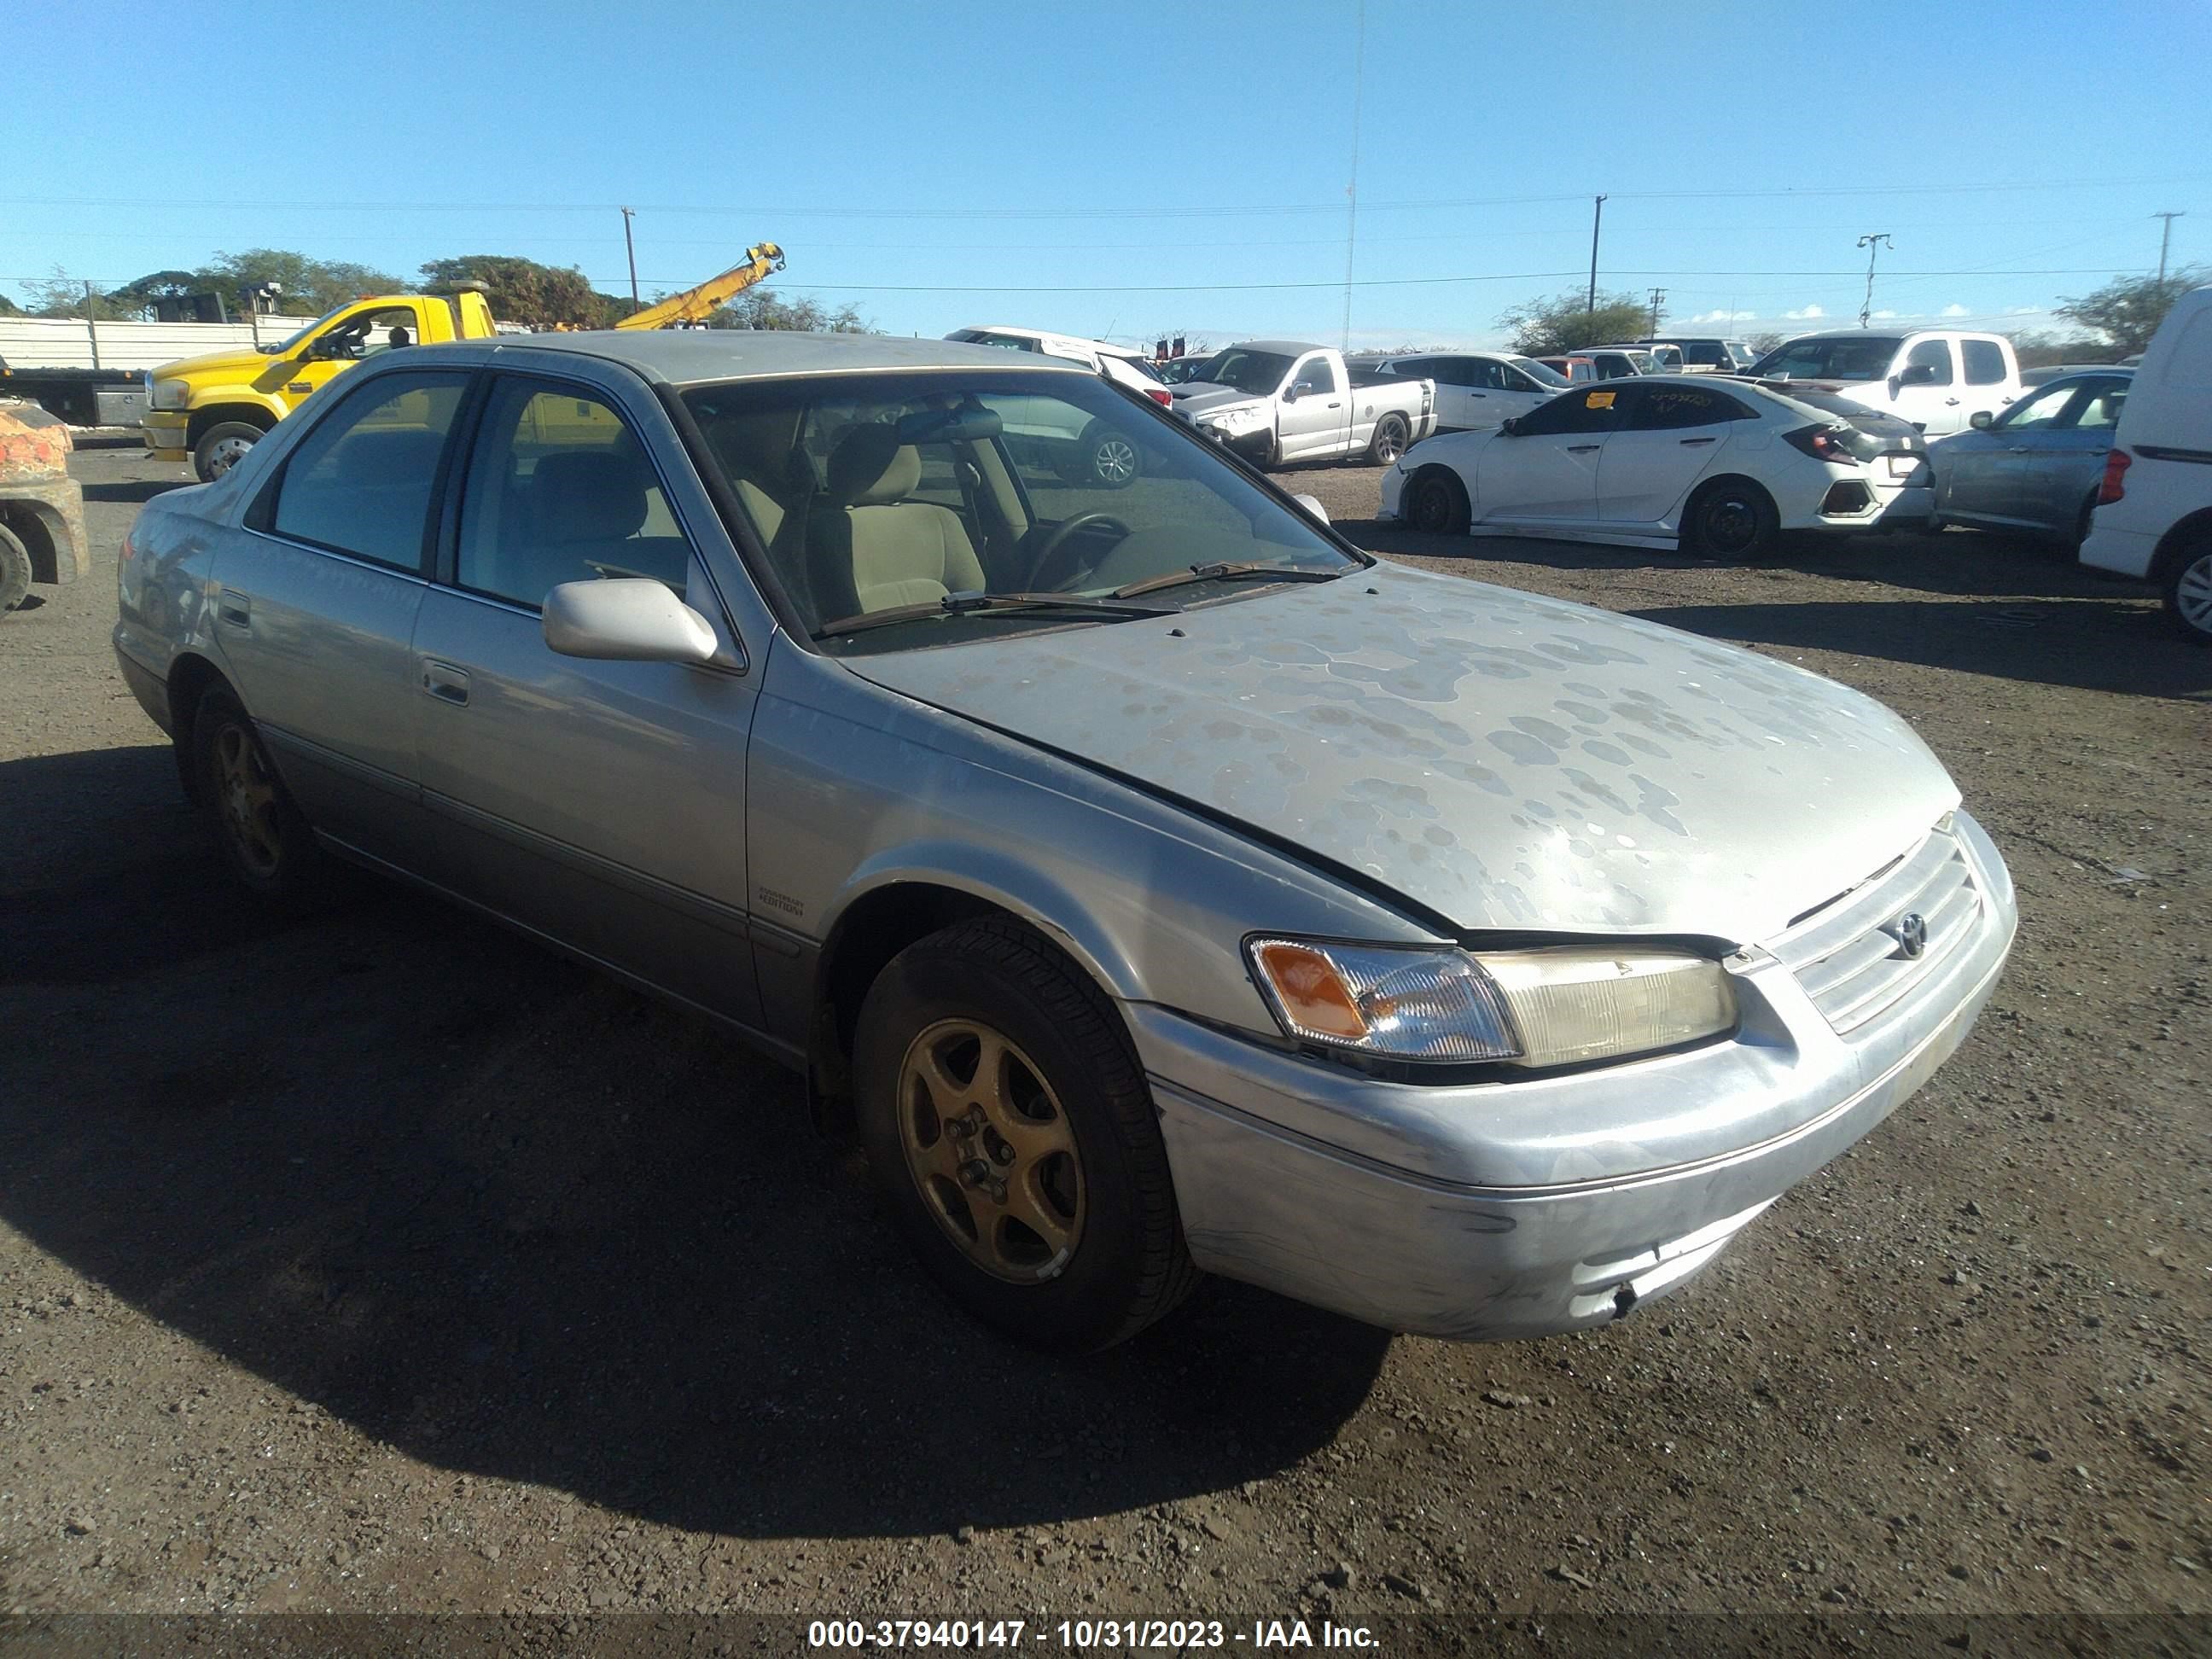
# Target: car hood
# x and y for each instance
(1501, 760)
(242, 364)
(1197, 396)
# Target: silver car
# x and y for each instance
(2037, 465)
(1155, 883)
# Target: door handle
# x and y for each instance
(1951, 402)
(1583, 449)
(1700, 440)
(1333, 404)
(235, 609)
(445, 683)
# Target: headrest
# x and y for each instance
(870, 466)
(591, 495)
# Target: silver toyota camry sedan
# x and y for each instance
(1152, 882)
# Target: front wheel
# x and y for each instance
(1734, 518)
(2189, 594)
(1388, 443)
(222, 446)
(1010, 1133)
(1436, 503)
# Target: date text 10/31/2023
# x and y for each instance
(1084, 1634)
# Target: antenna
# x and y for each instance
(1352, 188)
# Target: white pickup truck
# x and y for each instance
(1274, 401)
(1936, 379)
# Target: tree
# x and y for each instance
(763, 307)
(2127, 310)
(1763, 342)
(2037, 350)
(311, 287)
(140, 294)
(9, 307)
(58, 296)
(524, 291)
(1547, 327)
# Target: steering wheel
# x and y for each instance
(1042, 569)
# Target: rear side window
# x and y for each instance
(361, 481)
(1985, 359)
(1935, 355)
(1664, 407)
(560, 490)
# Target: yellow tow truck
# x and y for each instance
(211, 409)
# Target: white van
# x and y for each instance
(2154, 517)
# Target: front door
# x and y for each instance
(600, 803)
(1932, 403)
(1315, 421)
(316, 604)
(1673, 434)
(352, 336)
(1548, 469)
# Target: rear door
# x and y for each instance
(316, 603)
(1673, 434)
(1546, 471)
(601, 803)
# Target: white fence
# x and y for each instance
(30, 343)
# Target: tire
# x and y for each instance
(1110, 459)
(221, 446)
(2081, 522)
(2189, 593)
(266, 842)
(1106, 1257)
(1388, 443)
(14, 571)
(1436, 502)
(1731, 519)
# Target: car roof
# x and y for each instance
(1106, 347)
(683, 356)
(1281, 348)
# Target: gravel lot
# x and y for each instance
(385, 1262)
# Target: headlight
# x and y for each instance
(1231, 419)
(1542, 1007)
(170, 394)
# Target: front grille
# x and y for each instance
(1850, 954)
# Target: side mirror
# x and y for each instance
(1981, 420)
(330, 348)
(1510, 426)
(625, 619)
(1312, 504)
(1914, 374)
(1293, 393)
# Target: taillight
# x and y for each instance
(1160, 395)
(1825, 443)
(2117, 463)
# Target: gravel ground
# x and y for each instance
(384, 1262)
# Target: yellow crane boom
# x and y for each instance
(696, 304)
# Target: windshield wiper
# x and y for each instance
(957, 604)
(1211, 573)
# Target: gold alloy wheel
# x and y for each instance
(249, 799)
(991, 1151)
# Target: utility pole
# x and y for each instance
(627, 215)
(1597, 218)
(1657, 296)
(2165, 236)
(1352, 188)
(1873, 244)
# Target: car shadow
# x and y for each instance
(134, 490)
(2097, 647)
(492, 1208)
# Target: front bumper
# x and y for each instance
(1522, 1209)
(167, 433)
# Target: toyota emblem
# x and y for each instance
(1912, 933)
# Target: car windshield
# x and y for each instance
(896, 492)
(1253, 373)
(1542, 373)
(1839, 357)
(1180, 371)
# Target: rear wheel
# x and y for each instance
(1388, 443)
(265, 841)
(2189, 593)
(1731, 519)
(1108, 457)
(1011, 1135)
(1435, 503)
(14, 571)
(222, 446)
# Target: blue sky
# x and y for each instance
(1165, 165)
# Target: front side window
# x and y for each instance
(1984, 362)
(1833, 357)
(1540, 376)
(1598, 409)
(1932, 354)
(905, 491)
(2047, 408)
(560, 490)
(369, 334)
(1318, 375)
(361, 481)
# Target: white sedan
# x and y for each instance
(1660, 459)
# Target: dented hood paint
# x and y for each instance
(1502, 760)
